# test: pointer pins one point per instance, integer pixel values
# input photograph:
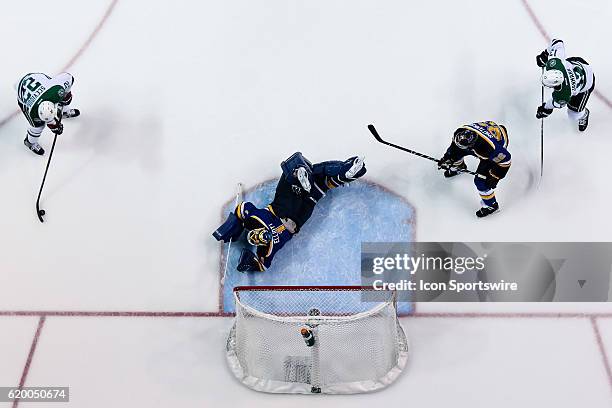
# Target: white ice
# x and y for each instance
(183, 99)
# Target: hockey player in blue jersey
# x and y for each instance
(265, 230)
(487, 141)
(298, 191)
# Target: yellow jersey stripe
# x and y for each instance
(269, 207)
(504, 135)
(260, 220)
(239, 210)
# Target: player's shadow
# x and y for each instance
(109, 135)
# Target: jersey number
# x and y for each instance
(499, 158)
(492, 128)
(580, 77)
(31, 85)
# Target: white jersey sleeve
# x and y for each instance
(556, 49)
(64, 79)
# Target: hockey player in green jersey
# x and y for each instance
(45, 101)
(572, 81)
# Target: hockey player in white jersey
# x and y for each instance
(572, 81)
(45, 101)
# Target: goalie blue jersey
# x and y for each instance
(252, 218)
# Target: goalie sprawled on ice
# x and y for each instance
(299, 189)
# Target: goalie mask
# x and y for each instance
(259, 236)
(464, 139)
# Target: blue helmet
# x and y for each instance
(464, 138)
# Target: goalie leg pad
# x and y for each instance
(337, 168)
(329, 168)
(230, 229)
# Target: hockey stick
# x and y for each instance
(372, 129)
(40, 212)
(229, 245)
(542, 140)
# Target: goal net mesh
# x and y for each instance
(316, 339)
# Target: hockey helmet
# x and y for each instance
(552, 78)
(464, 138)
(259, 236)
(47, 111)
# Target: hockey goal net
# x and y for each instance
(316, 339)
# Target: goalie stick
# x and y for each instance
(374, 132)
(239, 192)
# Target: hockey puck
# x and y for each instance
(41, 212)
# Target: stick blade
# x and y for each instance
(40, 213)
(374, 132)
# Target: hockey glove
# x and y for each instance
(67, 100)
(57, 128)
(543, 112)
(445, 162)
(248, 262)
(542, 59)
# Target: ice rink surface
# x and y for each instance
(117, 294)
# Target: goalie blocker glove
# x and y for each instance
(248, 262)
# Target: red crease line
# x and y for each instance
(509, 315)
(82, 313)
